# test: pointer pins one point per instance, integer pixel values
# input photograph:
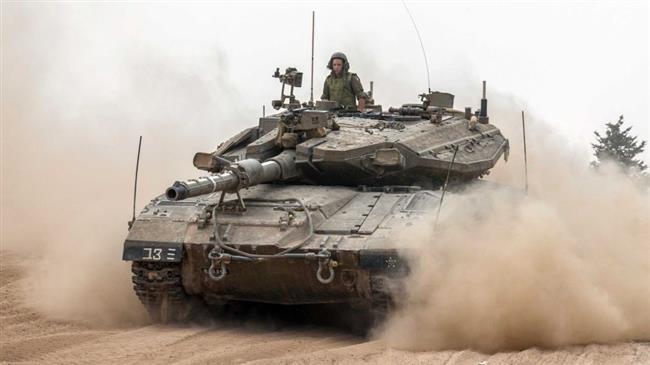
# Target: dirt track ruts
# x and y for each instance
(28, 337)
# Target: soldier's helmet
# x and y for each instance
(341, 56)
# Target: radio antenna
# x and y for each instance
(523, 127)
(444, 188)
(135, 185)
(313, 21)
(426, 62)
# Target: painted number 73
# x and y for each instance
(152, 253)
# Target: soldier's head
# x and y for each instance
(338, 63)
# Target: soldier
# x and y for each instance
(343, 86)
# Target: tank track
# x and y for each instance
(382, 301)
(159, 287)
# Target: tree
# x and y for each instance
(619, 146)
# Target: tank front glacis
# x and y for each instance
(303, 208)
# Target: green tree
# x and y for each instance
(619, 146)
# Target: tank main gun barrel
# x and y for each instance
(240, 174)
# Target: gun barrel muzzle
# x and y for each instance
(204, 185)
(176, 192)
(241, 174)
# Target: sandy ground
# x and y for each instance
(28, 338)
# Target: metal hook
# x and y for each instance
(218, 258)
(319, 276)
(222, 271)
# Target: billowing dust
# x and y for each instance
(71, 116)
(566, 264)
(569, 263)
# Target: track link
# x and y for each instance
(382, 300)
(159, 287)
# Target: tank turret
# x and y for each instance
(409, 145)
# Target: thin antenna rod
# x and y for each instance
(135, 185)
(426, 62)
(444, 188)
(523, 127)
(313, 21)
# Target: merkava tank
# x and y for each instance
(302, 208)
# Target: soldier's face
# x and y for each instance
(337, 65)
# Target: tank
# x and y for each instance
(302, 207)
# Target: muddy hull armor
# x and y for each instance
(307, 245)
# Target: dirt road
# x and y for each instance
(28, 337)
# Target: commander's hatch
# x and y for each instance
(362, 215)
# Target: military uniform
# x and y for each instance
(346, 88)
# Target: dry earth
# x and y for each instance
(27, 337)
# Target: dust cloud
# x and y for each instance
(566, 264)
(76, 96)
(569, 263)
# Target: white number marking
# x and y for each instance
(152, 253)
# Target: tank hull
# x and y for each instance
(353, 229)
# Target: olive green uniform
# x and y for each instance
(344, 89)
